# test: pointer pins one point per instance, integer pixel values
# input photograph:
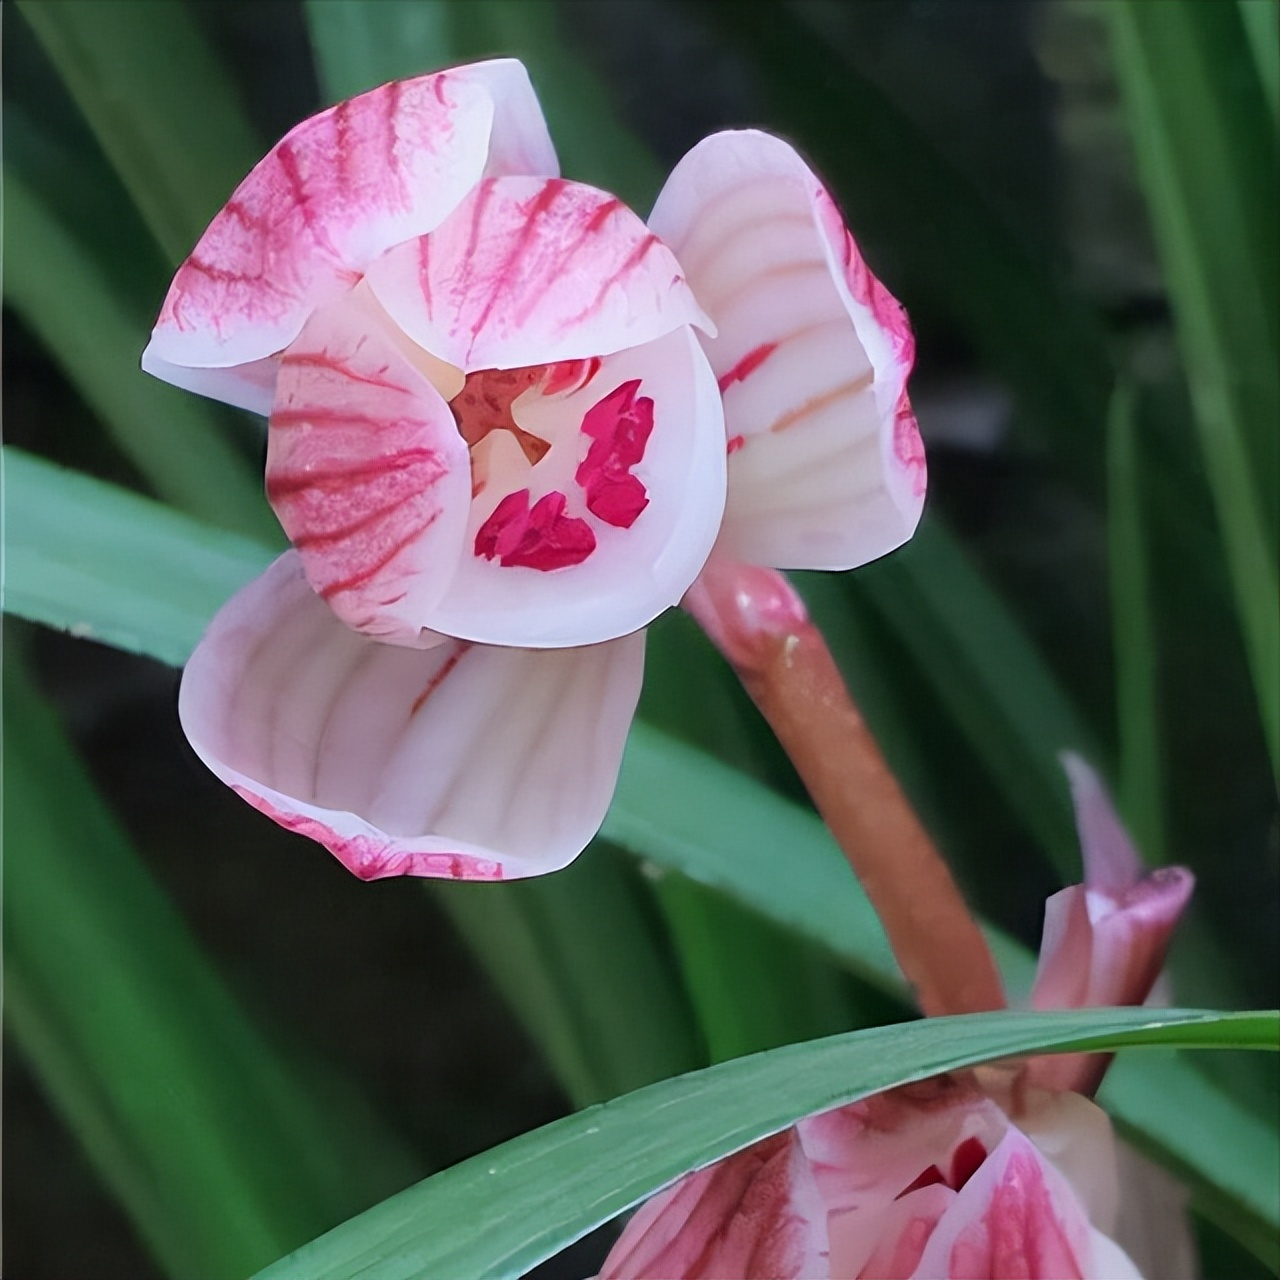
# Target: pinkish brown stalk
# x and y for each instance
(756, 619)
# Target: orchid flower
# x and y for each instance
(497, 408)
(947, 1180)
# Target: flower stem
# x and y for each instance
(756, 619)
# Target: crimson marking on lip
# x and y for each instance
(541, 537)
(619, 427)
(746, 366)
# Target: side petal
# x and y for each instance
(812, 354)
(529, 271)
(456, 761)
(755, 1215)
(1104, 941)
(632, 571)
(367, 473)
(1066, 952)
(338, 190)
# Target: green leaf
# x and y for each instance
(754, 986)
(218, 1153)
(160, 103)
(109, 565)
(577, 959)
(1206, 152)
(986, 670)
(675, 806)
(176, 440)
(359, 45)
(751, 983)
(556, 1184)
(1139, 793)
(1261, 19)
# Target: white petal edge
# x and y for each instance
(311, 216)
(459, 761)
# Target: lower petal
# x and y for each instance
(755, 1215)
(456, 761)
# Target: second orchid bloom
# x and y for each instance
(508, 424)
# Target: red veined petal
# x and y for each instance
(457, 761)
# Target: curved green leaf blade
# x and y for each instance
(1206, 153)
(159, 101)
(1133, 632)
(556, 1184)
(109, 565)
(218, 1152)
(989, 673)
(175, 440)
(675, 806)
(576, 960)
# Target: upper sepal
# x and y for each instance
(336, 192)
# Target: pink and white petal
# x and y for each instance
(633, 573)
(1066, 952)
(1017, 1218)
(1111, 1262)
(531, 271)
(811, 352)
(887, 1245)
(456, 761)
(338, 190)
(1154, 1228)
(755, 1215)
(367, 473)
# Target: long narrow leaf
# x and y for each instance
(217, 1153)
(557, 1183)
(984, 667)
(1134, 640)
(1261, 19)
(174, 439)
(1206, 152)
(162, 107)
(675, 806)
(754, 986)
(109, 565)
(580, 966)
